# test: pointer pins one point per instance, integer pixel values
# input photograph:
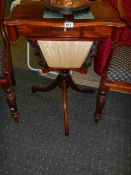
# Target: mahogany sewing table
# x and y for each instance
(27, 20)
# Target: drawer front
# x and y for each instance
(64, 32)
(81, 32)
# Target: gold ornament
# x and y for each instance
(66, 3)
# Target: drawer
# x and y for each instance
(80, 32)
(64, 32)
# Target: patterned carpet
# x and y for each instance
(37, 145)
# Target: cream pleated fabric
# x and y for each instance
(65, 54)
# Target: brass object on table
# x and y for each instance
(67, 7)
(66, 3)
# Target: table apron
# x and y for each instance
(90, 33)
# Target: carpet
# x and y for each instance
(37, 145)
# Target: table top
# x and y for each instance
(32, 13)
(27, 20)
